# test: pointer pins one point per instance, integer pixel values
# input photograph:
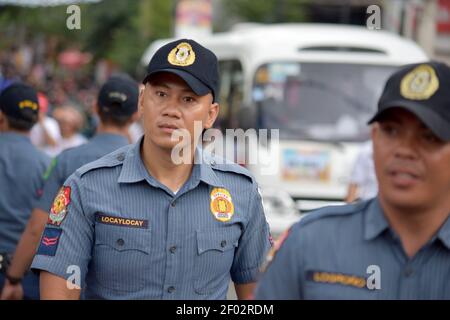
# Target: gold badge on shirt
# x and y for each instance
(419, 84)
(221, 204)
(182, 55)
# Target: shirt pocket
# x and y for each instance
(215, 255)
(120, 256)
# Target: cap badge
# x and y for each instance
(182, 55)
(118, 95)
(28, 104)
(221, 204)
(419, 84)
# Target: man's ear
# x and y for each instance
(213, 113)
(135, 117)
(95, 108)
(141, 101)
(375, 128)
(3, 122)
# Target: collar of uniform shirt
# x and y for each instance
(16, 137)
(375, 223)
(133, 169)
(107, 137)
(207, 174)
(444, 233)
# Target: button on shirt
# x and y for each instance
(21, 169)
(350, 252)
(70, 160)
(133, 238)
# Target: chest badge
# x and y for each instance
(221, 204)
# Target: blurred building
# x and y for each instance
(425, 21)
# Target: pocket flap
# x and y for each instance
(218, 239)
(121, 238)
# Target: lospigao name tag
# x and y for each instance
(336, 278)
(122, 222)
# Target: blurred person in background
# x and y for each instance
(363, 182)
(21, 169)
(70, 122)
(116, 108)
(45, 134)
(8, 75)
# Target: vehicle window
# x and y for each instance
(318, 101)
(231, 93)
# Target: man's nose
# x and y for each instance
(171, 109)
(407, 147)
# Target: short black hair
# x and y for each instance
(111, 118)
(20, 124)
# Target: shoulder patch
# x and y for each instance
(113, 159)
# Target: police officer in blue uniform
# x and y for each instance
(397, 245)
(117, 109)
(140, 224)
(21, 170)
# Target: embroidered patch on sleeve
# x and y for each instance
(59, 208)
(49, 241)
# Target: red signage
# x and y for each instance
(443, 16)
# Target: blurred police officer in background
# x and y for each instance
(139, 225)
(117, 108)
(21, 170)
(397, 245)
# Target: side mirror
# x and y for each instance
(247, 117)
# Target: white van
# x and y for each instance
(319, 85)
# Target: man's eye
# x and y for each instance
(161, 94)
(429, 137)
(188, 99)
(389, 129)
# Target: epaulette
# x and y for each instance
(110, 160)
(224, 165)
(333, 211)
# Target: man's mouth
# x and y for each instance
(167, 127)
(404, 177)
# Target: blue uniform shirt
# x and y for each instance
(133, 238)
(71, 159)
(350, 252)
(21, 169)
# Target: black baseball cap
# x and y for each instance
(119, 95)
(423, 89)
(20, 101)
(189, 60)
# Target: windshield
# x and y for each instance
(318, 101)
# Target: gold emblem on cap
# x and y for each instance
(419, 84)
(118, 95)
(182, 55)
(28, 104)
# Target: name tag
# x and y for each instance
(336, 278)
(122, 222)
